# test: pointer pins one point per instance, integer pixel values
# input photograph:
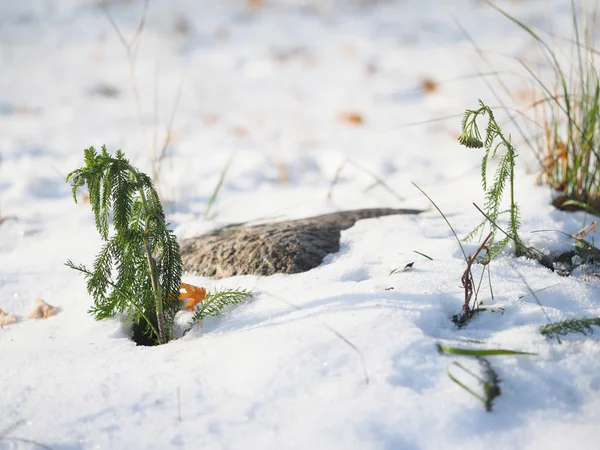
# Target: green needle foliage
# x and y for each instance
(216, 301)
(138, 270)
(582, 326)
(494, 142)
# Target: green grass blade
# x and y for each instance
(465, 387)
(447, 350)
(423, 255)
(215, 194)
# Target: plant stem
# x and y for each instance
(160, 316)
(513, 206)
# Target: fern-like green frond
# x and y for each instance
(493, 143)
(582, 326)
(216, 301)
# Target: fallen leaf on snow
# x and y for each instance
(193, 294)
(42, 310)
(429, 86)
(352, 118)
(254, 4)
(6, 319)
(239, 131)
(211, 118)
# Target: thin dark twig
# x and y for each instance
(12, 428)
(467, 280)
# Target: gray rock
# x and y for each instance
(292, 246)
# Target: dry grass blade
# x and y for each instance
(131, 48)
(217, 189)
(158, 157)
(589, 228)
(503, 85)
(335, 332)
(378, 180)
(568, 149)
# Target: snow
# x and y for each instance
(266, 88)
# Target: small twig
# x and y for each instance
(7, 218)
(13, 427)
(467, 280)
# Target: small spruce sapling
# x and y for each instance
(141, 251)
(493, 142)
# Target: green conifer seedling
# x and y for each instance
(493, 142)
(138, 270)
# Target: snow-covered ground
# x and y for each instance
(270, 87)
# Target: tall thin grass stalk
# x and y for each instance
(570, 113)
(378, 180)
(217, 189)
(131, 47)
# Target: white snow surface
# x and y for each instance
(340, 357)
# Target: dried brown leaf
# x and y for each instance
(352, 118)
(42, 310)
(6, 319)
(429, 86)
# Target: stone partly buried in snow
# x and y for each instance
(282, 247)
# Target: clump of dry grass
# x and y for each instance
(568, 111)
